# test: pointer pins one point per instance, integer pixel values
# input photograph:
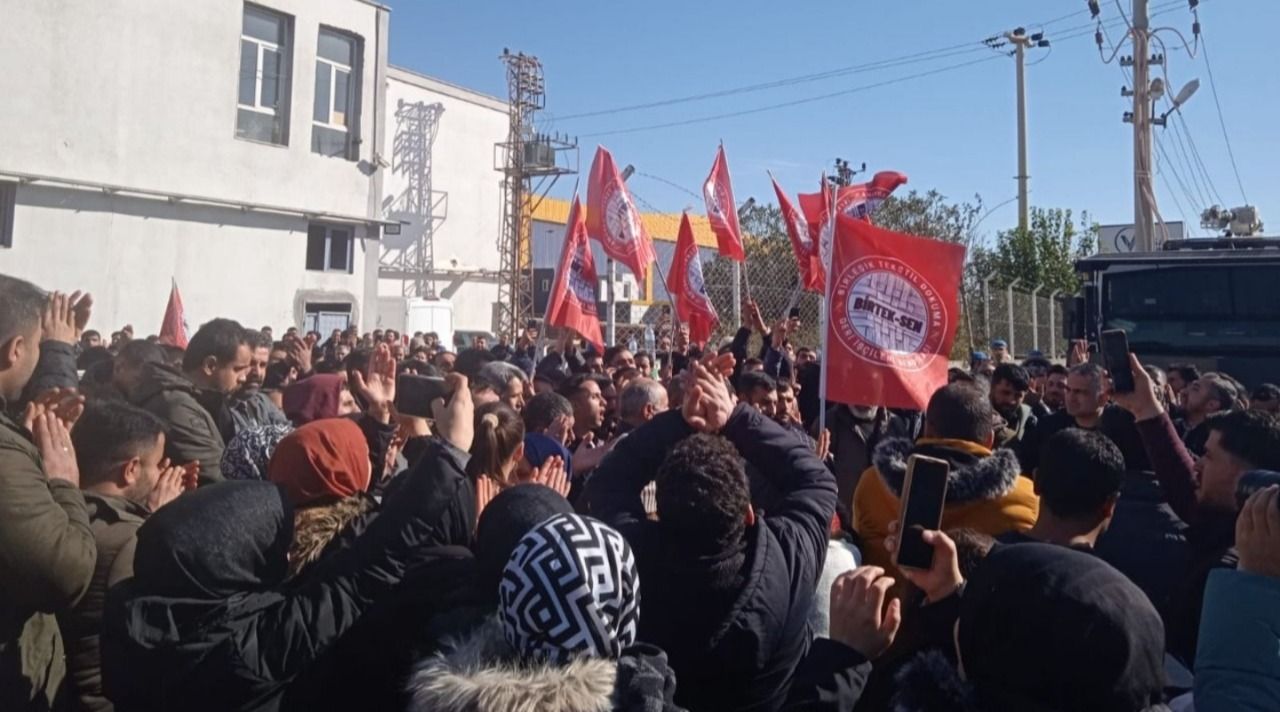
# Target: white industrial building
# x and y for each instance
(256, 153)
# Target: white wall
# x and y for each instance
(244, 266)
(142, 94)
(463, 167)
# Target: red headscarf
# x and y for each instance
(324, 460)
(313, 398)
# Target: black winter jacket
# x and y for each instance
(206, 623)
(737, 652)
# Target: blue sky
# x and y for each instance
(953, 131)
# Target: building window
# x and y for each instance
(335, 127)
(330, 249)
(8, 205)
(262, 107)
(325, 317)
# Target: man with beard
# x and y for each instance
(1009, 386)
(250, 407)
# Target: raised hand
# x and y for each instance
(1258, 533)
(53, 439)
(561, 429)
(1143, 402)
(58, 320)
(859, 618)
(65, 403)
(455, 418)
(378, 387)
(708, 401)
(943, 578)
(169, 485)
(823, 448)
(299, 353)
(552, 474)
(1079, 353)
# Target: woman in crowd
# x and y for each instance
(324, 469)
(564, 637)
(320, 396)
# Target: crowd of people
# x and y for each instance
(260, 523)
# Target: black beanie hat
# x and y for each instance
(1045, 626)
(505, 521)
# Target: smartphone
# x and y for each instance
(794, 313)
(1114, 346)
(414, 394)
(1252, 481)
(923, 496)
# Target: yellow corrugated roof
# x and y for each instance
(662, 226)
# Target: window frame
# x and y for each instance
(354, 88)
(280, 113)
(328, 248)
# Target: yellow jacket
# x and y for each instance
(985, 492)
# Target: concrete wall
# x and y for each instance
(124, 251)
(467, 192)
(142, 94)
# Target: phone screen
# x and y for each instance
(1114, 346)
(924, 495)
(415, 393)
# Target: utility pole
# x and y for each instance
(844, 173)
(1143, 213)
(1021, 41)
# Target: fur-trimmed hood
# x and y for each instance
(976, 472)
(482, 673)
(931, 683)
(315, 527)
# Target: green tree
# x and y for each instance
(1043, 254)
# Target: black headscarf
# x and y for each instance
(220, 540)
(1046, 627)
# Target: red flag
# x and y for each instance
(893, 315)
(816, 207)
(573, 295)
(612, 218)
(801, 241)
(722, 211)
(858, 201)
(687, 288)
(862, 200)
(173, 330)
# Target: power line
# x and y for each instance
(1168, 165)
(796, 102)
(1160, 165)
(943, 53)
(1195, 153)
(914, 58)
(1180, 149)
(1204, 50)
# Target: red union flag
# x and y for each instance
(862, 200)
(573, 294)
(893, 315)
(801, 241)
(817, 213)
(173, 330)
(722, 211)
(612, 218)
(688, 289)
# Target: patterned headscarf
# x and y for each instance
(248, 453)
(570, 589)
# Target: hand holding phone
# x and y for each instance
(1114, 345)
(414, 394)
(923, 495)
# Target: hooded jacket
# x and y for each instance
(192, 432)
(47, 556)
(985, 492)
(207, 624)
(740, 655)
(481, 672)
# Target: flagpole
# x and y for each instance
(823, 366)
